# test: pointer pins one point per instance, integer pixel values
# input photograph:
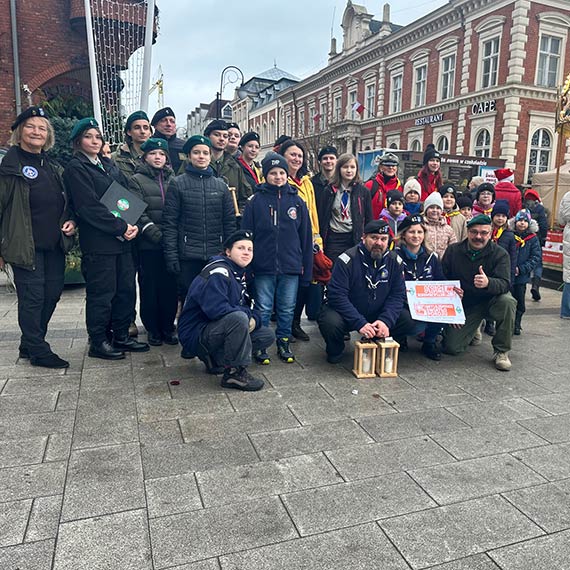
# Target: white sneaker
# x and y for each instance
(477, 338)
(502, 361)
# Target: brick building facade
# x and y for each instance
(475, 77)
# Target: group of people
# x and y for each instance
(229, 244)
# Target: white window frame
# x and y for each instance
(312, 113)
(288, 124)
(449, 74)
(323, 110)
(540, 120)
(352, 99)
(488, 30)
(419, 94)
(548, 56)
(553, 24)
(482, 150)
(488, 123)
(370, 98)
(416, 136)
(301, 126)
(393, 139)
(337, 107)
(396, 95)
(540, 149)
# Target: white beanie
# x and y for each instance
(434, 199)
(412, 185)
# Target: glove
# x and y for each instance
(252, 324)
(173, 267)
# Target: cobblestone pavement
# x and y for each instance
(452, 465)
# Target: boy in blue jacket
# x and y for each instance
(366, 292)
(218, 323)
(283, 259)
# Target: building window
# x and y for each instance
(323, 118)
(443, 144)
(420, 86)
(264, 137)
(416, 146)
(312, 113)
(396, 96)
(490, 62)
(272, 135)
(548, 61)
(483, 143)
(540, 151)
(302, 122)
(370, 101)
(393, 146)
(338, 108)
(447, 76)
(351, 102)
(288, 124)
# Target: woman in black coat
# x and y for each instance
(107, 263)
(158, 292)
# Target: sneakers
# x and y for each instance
(502, 361)
(431, 350)
(240, 379)
(261, 357)
(49, 361)
(477, 338)
(284, 351)
(298, 332)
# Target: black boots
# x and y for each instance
(129, 344)
(535, 289)
(518, 319)
(298, 332)
(105, 351)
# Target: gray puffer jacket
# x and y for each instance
(198, 216)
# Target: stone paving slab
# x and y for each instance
(190, 537)
(358, 548)
(105, 543)
(164, 460)
(490, 413)
(30, 556)
(547, 505)
(309, 439)
(415, 400)
(13, 520)
(472, 478)
(552, 462)
(477, 562)
(264, 479)
(348, 504)
(172, 495)
(456, 531)
(374, 459)
(487, 440)
(211, 564)
(58, 447)
(32, 481)
(160, 410)
(503, 388)
(44, 518)
(32, 425)
(554, 403)
(554, 429)
(548, 553)
(226, 425)
(410, 424)
(22, 404)
(102, 481)
(22, 452)
(47, 383)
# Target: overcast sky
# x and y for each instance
(198, 38)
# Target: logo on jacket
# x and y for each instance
(30, 172)
(384, 274)
(292, 213)
(123, 204)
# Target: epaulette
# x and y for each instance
(345, 258)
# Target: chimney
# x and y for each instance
(333, 52)
(386, 13)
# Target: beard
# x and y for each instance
(376, 253)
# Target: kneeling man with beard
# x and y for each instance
(366, 292)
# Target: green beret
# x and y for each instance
(28, 114)
(193, 141)
(136, 116)
(81, 126)
(154, 144)
(480, 219)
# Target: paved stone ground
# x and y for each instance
(453, 466)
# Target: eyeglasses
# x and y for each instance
(485, 233)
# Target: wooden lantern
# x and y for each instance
(387, 357)
(364, 359)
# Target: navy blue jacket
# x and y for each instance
(529, 256)
(421, 267)
(508, 243)
(359, 300)
(282, 234)
(218, 290)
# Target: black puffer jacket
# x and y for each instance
(151, 185)
(198, 216)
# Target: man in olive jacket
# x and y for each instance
(484, 271)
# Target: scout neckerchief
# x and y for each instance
(521, 241)
(344, 202)
(497, 233)
(372, 274)
(449, 215)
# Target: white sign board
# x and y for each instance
(435, 302)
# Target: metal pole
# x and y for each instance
(92, 63)
(149, 32)
(15, 57)
(559, 158)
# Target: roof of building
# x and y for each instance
(275, 74)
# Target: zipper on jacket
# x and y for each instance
(277, 237)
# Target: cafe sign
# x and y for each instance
(484, 107)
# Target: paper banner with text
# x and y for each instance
(435, 302)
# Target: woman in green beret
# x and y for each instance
(35, 231)
(107, 263)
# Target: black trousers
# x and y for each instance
(519, 293)
(110, 294)
(189, 270)
(158, 293)
(337, 243)
(38, 292)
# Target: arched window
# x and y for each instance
(272, 135)
(393, 145)
(540, 152)
(483, 143)
(443, 144)
(264, 137)
(416, 146)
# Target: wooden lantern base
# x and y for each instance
(359, 348)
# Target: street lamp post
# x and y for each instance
(234, 74)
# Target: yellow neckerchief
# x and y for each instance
(521, 241)
(452, 213)
(498, 234)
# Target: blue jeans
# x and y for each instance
(565, 305)
(282, 288)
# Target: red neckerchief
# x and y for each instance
(521, 241)
(497, 233)
(249, 169)
(448, 215)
